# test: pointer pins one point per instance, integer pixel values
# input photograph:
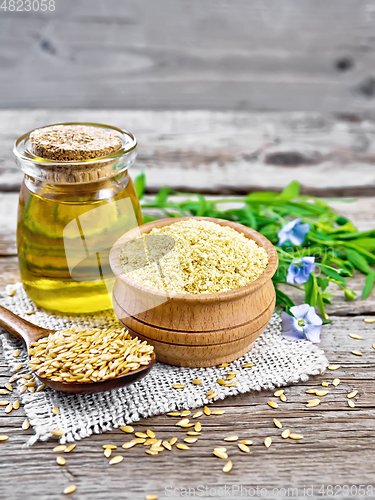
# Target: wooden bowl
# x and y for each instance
(195, 330)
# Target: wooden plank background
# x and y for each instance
(309, 55)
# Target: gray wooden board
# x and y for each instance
(231, 152)
(293, 55)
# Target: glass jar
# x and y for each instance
(70, 214)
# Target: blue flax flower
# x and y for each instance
(294, 232)
(302, 322)
(300, 270)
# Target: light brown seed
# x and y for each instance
(272, 404)
(107, 453)
(212, 396)
(150, 433)
(127, 428)
(60, 448)
(18, 367)
(231, 376)
(196, 381)
(109, 446)
(12, 379)
(3, 392)
(193, 433)
(174, 414)
(141, 435)
(149, 441)
(9, 387)
(70, 448)
(277, 423)
(248, 442)
(152, 452)
(3, 437)
(311, 391)
(184, 421)
(57, 432)
(333, 367)
(191, 440)
(182, 446)
(295, 436)
(218, 412)
(167, 445)
(321, 393)
(60, 461)
(151, 497)
(351, 403)
(357, 353)
(221, 448)
(267, 442)
(178, 386)
(278, 393)
(70, 489)
(373, 346)
(336, 382)
(4, 402)
(206, 410)
(369, 320)
(197, 414)
(220, 454)
(185, 413)
(352, 394)
(228, 467)
(139, 440)
(230, 384)
(173, 441)
(16, 353)
(25, 425)
(247, 365)
(11, 293)
(9, 408)
(243, 447)
(221, 381)
(198, 427)
(312, 403)
(325, 384)
(55, 410)
(128, 445)
(355, 336)
(231, 438)
(285, 434)
(282, 398)
(116, 460)
(157, 448)
(223, 365)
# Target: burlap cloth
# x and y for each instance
(277, 362)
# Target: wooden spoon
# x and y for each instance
(28, 333)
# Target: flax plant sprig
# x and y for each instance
(335, 243)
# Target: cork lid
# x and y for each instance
(73, 142)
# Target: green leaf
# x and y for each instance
(367, 243)
(311, 290)
(291, 191)
(369, 283)
(163, 194)
(283, 299)
(140, 184)
(332, 273)
(358, 261)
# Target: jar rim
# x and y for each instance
(22, 152)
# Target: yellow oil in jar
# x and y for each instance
(64, 236)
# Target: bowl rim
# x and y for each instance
(117, 269)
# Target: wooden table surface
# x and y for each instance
(213, 153)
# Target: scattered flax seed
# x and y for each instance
(231, 376)
(116, 460)
(182, 446)
(333, 367)
(3, 392)
(12, 379)
(278, 393)
(139, 440)
(16, 353)
(129, 445)
(373, 346)
(76, 345)
(282, 398)
(204, 257)
(187, 426)
(16, 405)
(150, 433)
(143, 435)
(295, 436)
(336, 382)
(152, 452)
(184, 421)
(352, 394)
(185, 413)
(230, 384)
(149, 441)
(11, 293)
(355, 336)
(3, 438)
(312, 403)
(212, 396)
(351, 403)
(60, 461)
(218, 412)
(357, 353)
(228, 467)
(277, 423)
(167, 445)
(321, 393)
(219, 453)
(369, 320)
(196, 381)
(41, 387)
(248, 442)
(9, 387)
(197, 414)
(4, 402)
(57, 432)
(191, 440)
(223, 365)
(70, 448)
(9, 408)
(198, 427)
(18, 367)
(174, 414)
(178, 386)
(243, 447)
(325, 384)
(206, 410)
(231, 438)
(60, 448)
(70, 489)
(285, 434)
(127, 428)
(267, 442)
(173, 441)
(107, 453)
(25, 425)
(221, 381)
(247, 365)
(55, 410)
(151, 497)
(272, 404)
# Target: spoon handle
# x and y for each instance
(20, 328)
